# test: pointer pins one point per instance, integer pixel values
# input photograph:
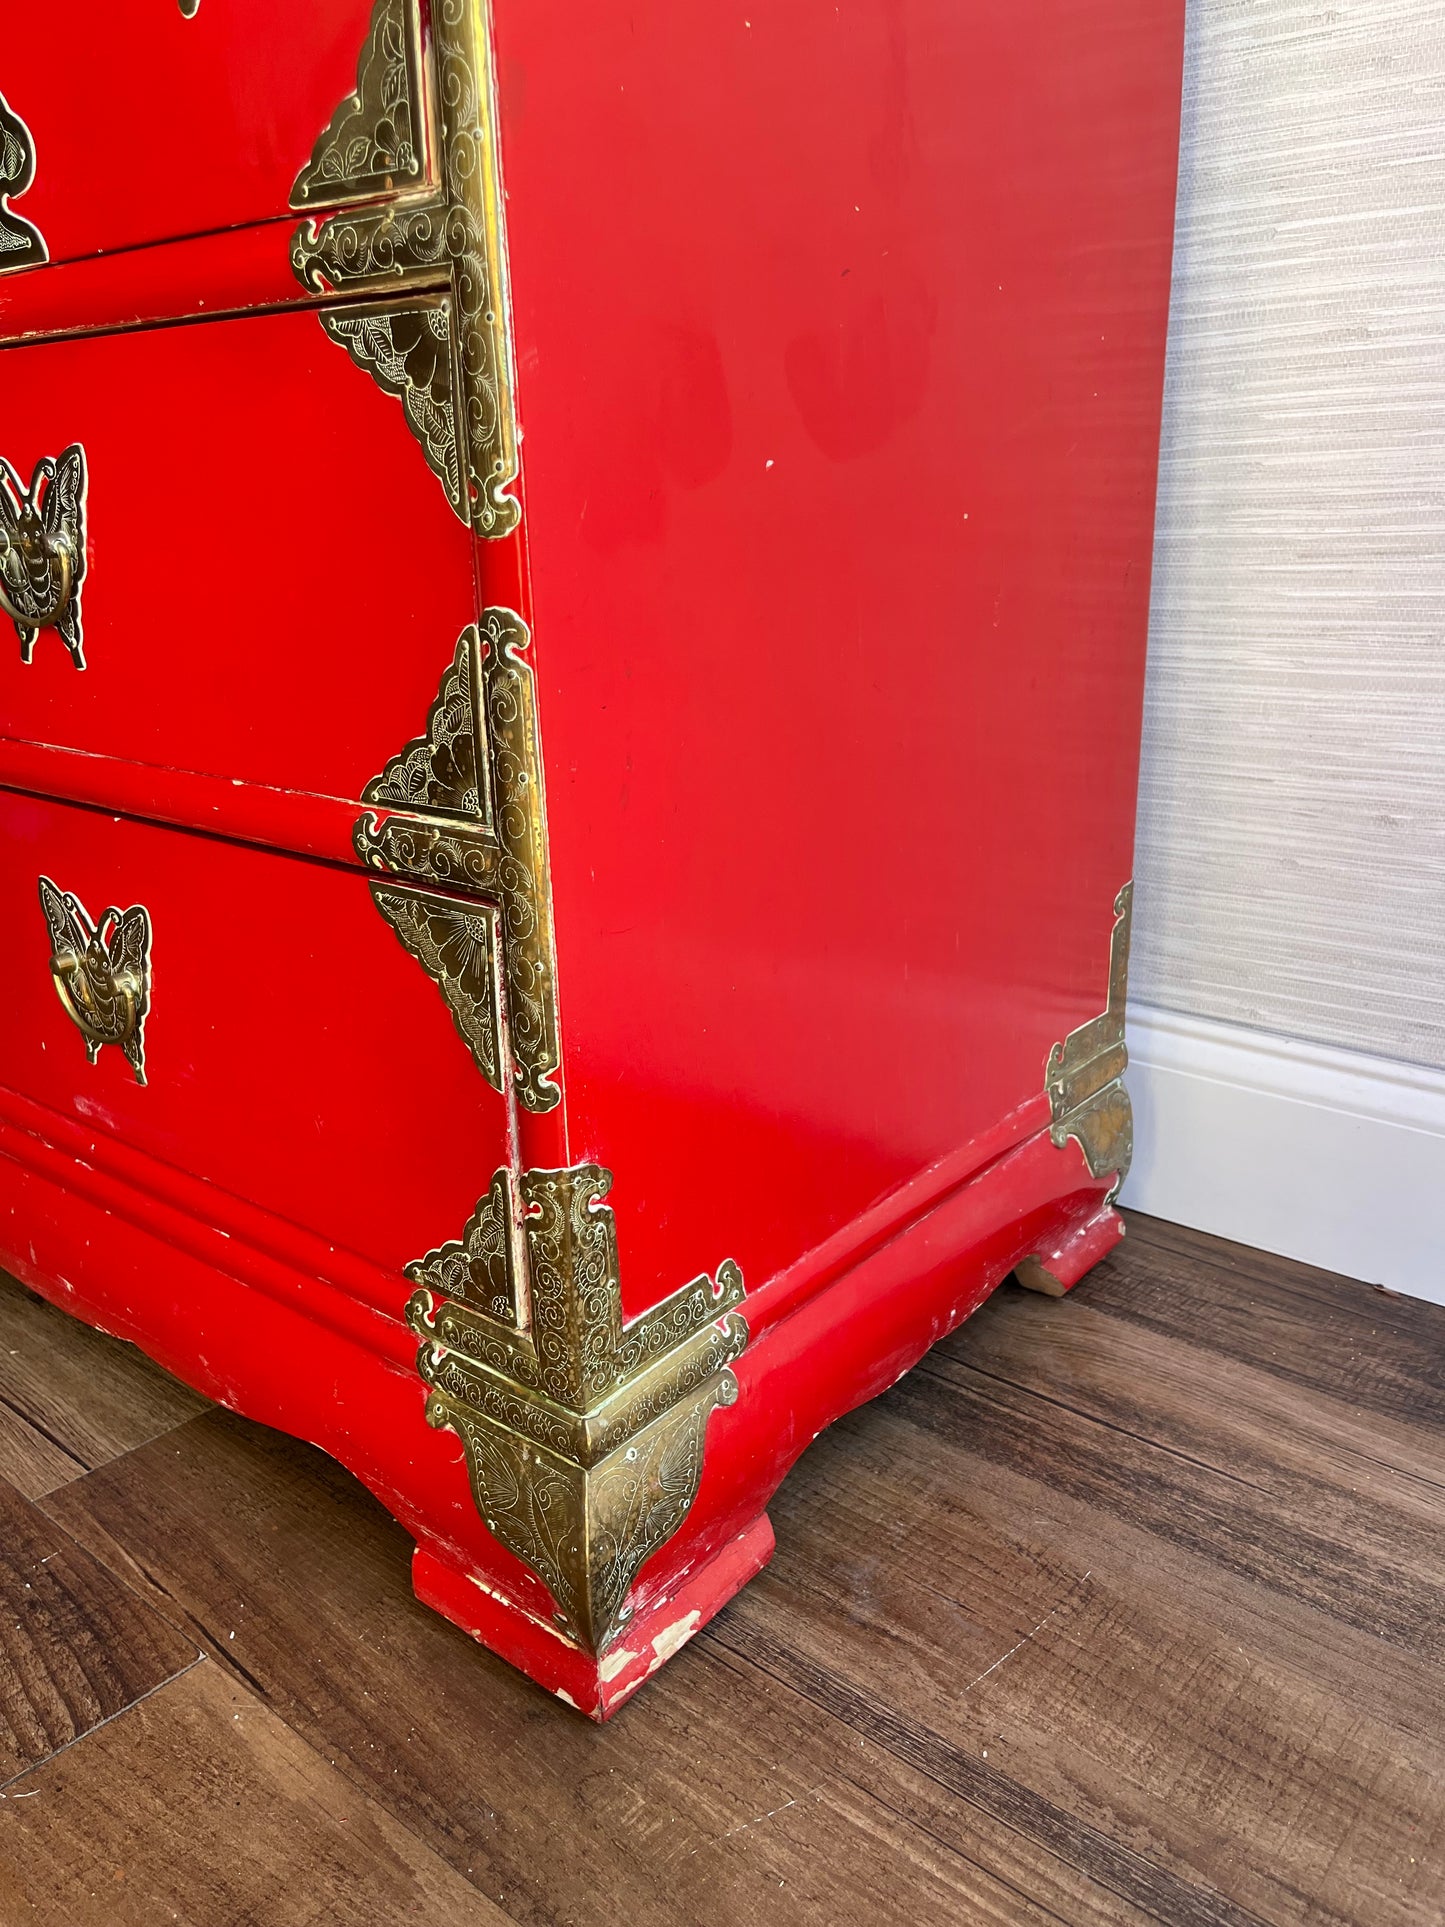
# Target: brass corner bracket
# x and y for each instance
(376, 141)
(1084, 1074)
(428, 265)
(461, 809)
(22, 245)
(583, 1435)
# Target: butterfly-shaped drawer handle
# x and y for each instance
(42, 550)
(102, 972)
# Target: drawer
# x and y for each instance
(273, 576)
(148, 119)
(294, 1054)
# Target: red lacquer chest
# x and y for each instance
(576, 583)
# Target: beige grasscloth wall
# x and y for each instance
(1291, 855)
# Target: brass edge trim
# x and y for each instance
(22, 245)
(448, 361)
(519, 801)
(1083, 1075)
(463, 807)
(583, 1434)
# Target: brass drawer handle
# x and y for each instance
(22, 245)
(42, 550)
(102, 972)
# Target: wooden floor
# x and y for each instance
(1123, 1608)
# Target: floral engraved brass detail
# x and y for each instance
(583, 1434)
(375, 142)
(21, 243)
(443, 772)
(407, 351)
(1084, 1075)
(449, 244)
(462, 808)
(477, 1270)
(42, 550)
(102, 972)
(455, 942)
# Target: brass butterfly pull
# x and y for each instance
(102, 972)
(22, 245)
(42, 550)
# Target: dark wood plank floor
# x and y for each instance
(1124, 1608)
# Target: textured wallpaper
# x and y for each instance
(1291, 857)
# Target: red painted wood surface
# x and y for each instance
(193, 279)
(297, 1058)
(839, 343)
(276, 818)
(276, 581)
(841, 387)
(252, 1329)
(147, 125)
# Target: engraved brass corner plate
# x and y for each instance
(102, 972)
(583, 1435)
(455, 942)
(430, 326)
(1084, 1075)
(21, 243)
(42, 550)
(375, 144)
(408, 352)
(462, 809)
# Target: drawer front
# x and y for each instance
(293, 1053)
(267, 578)
(147, 119)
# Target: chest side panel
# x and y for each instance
(840, 337)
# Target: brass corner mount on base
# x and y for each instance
(422, 269)
(583, 1435)
(1084, 1075)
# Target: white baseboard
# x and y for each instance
(1324, 1155)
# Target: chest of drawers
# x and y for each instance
(555, 968)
